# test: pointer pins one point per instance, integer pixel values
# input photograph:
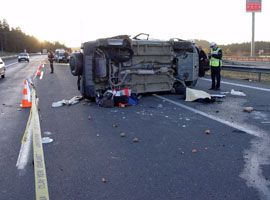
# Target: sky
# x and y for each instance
(73, 22)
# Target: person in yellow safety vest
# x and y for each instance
(215, 58)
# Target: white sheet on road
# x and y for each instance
(192, 94)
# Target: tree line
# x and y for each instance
(238, 49)
(15, 41)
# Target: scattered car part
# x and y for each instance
(46, 140)
(237, 93)
(248, 109)
(72, 101)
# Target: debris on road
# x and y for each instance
(46, 140)
(248, 109)
(120, 98)
(265, 122)
(123, 135)
(218, 96)
(47, 133)
(135, 140)
(103, 180)
(90, 117)
(19, 109)
(224, 92)
(73, 100)
(160, 106)
(194, 150)
(182, 152)
(115, 125)
(193, 95)
(238, 93)
(207, 132)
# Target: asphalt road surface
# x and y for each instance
(173, 159)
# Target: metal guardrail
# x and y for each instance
(251, 69)
(248, 58)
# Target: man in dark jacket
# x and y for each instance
(216, 63)
(51, 59)
(202, 58)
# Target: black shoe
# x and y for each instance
(211, 88)
(217, 89)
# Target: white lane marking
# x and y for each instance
(11, 64)
(25, 150)
(240, 85)
(41, 75)
(233, 125)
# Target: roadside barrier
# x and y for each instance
(26, 99)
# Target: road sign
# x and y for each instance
(254, 5)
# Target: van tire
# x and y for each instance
(76, 64)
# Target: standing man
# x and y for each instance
(215, 63)
(66, 56)
(51, 59)
(202, 58)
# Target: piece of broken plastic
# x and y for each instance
(218, 95)
(237, 93)
(72, 101)
(46, 140)
(58, 103)
(248, 109)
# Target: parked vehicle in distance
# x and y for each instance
(2, 68)
(23, 57)
(142, 65)
(61, 55)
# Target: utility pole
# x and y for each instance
(252, 52)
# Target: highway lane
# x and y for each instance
(160, 166)
(12, 126)
(154, 168)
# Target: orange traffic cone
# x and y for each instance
(26, 100)
(38, 70)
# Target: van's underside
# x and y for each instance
(141, 65)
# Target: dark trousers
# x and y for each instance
(201, 69)
(51, 65)
(215, 75)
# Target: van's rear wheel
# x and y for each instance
(76, 64)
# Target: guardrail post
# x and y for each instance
(260, 76)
